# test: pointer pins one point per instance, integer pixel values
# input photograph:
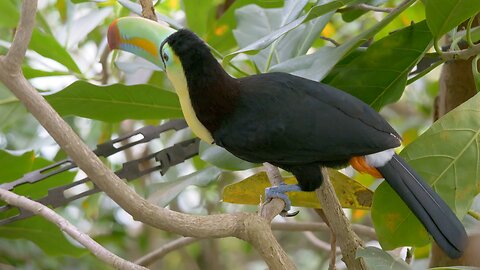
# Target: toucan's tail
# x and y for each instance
(426, 204)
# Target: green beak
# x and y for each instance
(139, 36)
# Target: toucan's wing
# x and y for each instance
(286, 119)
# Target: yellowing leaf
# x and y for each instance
(252, 189)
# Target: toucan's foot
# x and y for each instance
(279, 192)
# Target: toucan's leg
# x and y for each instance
(279, 192)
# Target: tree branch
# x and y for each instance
(365, 7)
(14, 58)
(366, 231)
(462, 54)
(165, 249)
(349, 242)
(148, 11)
(39, 209)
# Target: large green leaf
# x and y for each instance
(48, 46)
(44, 234)
(351, 194)
(41, 232)
(447, 156)
(379, 75)
(317, 65)
(255, 22)
(9, 14)
(444, 15)
(115, 102)
(221, 158)
(199, 24)
(265, 41)
(378, 259)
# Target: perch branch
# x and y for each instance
(462, 54)
(348, 241)
(39, 209)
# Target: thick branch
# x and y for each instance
(347, 239)
(39, 209)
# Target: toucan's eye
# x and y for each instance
(165, 56)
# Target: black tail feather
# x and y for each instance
(426, 204)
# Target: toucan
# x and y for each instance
(294, 123)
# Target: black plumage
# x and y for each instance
(300, 125)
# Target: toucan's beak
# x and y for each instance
(139, 36)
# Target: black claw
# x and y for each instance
(289, 214)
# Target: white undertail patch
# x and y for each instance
(380, 159)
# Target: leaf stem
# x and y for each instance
(469, 27)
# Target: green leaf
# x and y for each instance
(378, 259)
(220, 35)
(36, 229)
(11, 110)
(313, 13)
(199, 24)
(444, 15)
(351, 194)
(221, 158)
(167, 191)
(116, 102)
(16, 165)
(44, 234)
(379, 75)
(255, 22)
(394, 223)
(317, 65)
(30, 72)
(447, 156)
(46, 45)
(9, 14)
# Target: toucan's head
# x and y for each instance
(142, 37)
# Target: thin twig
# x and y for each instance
(316, 242)
(331, 40)
(96, 249)
(165, 249)
(103, 62)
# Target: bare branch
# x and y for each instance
(148, 11)
(39, 209)
(322, 245)
(340, 225)
(462, 54)
(165, 249)
(14, 58)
